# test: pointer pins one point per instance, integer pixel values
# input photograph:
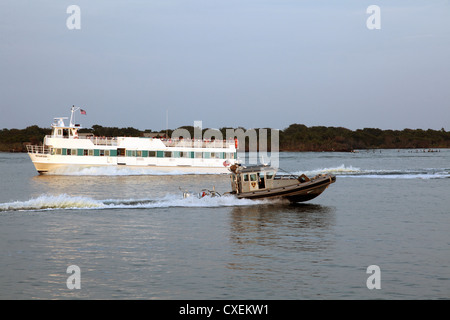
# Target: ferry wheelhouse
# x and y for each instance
(66, 151)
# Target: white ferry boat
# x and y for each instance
(66, 151)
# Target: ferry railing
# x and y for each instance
(187, 143)
(103, 141)
(38, 149)
(197, 143)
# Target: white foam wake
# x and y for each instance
(118, 171)
(355, 172)
(47, 202)
(339, 170)
(64, 201)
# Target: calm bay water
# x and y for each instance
(134, 237)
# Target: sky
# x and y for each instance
(227, 63)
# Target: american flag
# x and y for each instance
(82, 111)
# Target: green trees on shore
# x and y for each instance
(296, 137)
(14, 140)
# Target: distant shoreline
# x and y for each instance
(295, 138)
(418, 150)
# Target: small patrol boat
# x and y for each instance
(204, 193)
(263, 182)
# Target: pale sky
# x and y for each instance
(228, 63)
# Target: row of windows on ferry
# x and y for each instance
(142, 153)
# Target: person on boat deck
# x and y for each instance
(261, 182)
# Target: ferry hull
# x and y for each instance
(50, 168)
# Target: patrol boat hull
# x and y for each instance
(297, 192)
(262, 182)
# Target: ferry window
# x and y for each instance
(183, 154)
(79, 152)
(107, 153)
(59, 132)
(253, 177)
(152, 153)
(90, 152)
(58, 151)
(102, 153)
(269, 175)
(167, 154)
(85, 152)
(245, 177)
(199, 155)
(206, 155)
(138, 153)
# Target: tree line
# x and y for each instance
(296, 137)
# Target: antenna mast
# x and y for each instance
(167, 123)
(72, 110)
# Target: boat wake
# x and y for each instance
(117, 171)
(64, 201)
(354, 172)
